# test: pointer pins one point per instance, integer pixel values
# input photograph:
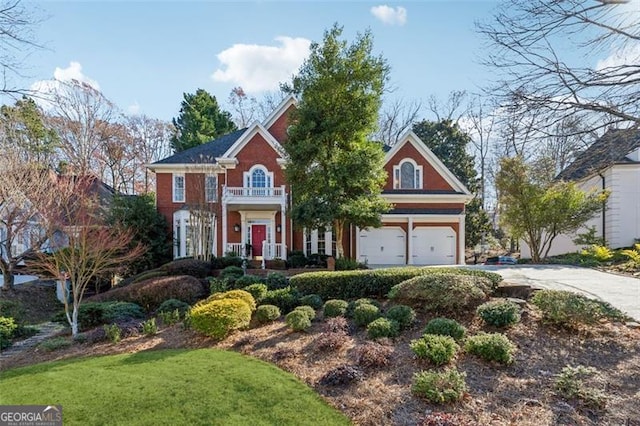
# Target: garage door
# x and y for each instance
(384, 246)
(434, 246)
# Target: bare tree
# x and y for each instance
(116, 157)
(481, 123)
(93, 249)
(244, 107)
(450, 109)
(396, 119)
(538, 49)
(17, 41)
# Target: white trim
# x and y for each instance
(254, 129)
(280, 109)
(418, 174)
(215, 188)
(404, 218)
(461, 240)
(247, 177)
(427, 198)
(414, 140)
(173, 188)
(185, 168)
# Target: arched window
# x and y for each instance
(407, 175)
(259, 179)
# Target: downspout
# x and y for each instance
(604, 209)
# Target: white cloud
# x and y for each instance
(134, 108)
(389, 15)
(629, 56)
(259, 68)
(74, 72)
(44, 89)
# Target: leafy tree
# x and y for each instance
(449, 143)
(200, 120)
(336, 173)
(538, 211)
(138, 214)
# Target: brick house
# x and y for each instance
(234, 192)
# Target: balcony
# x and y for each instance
(252, 196)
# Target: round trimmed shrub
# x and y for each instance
(217, 318)
(7, 327)
(298, 320)
(171, 305)
(362, 301)
(568, 309)
(499, 313)
(312, 300)
(258, 291)
(267, 313)
(245, 296)
(438, 350)
(308, 310)
(382, 327)
(276, 280)
(246, 281)
(491, 347)
(440, 386)
(365, 313)
(403, 314)
(335, 308)
(442, 292)
(445, 327)
(284, 298)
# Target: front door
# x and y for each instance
(258, 235)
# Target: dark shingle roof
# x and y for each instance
(205, 153)
(612, 148)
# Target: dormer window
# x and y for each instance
(407, 175)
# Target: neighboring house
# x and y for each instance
(611, 163)
(230, 195)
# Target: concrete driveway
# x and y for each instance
(622, 292)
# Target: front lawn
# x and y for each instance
(204, 386)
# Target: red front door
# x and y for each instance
(258, 235)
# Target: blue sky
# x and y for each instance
(145, 55)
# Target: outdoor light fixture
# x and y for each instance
(278, 228)
(236, 227)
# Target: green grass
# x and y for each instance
(169, 387)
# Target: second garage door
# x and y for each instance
(384, 246)
(434, 246)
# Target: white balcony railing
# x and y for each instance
(238, 248)
(251, 192)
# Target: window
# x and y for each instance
(322, 246)
(407, 175)
(210, 188)
(178, 188)
(258, 179)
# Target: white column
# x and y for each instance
(224, 227)
(461, 238)
(410, 241)
(283, 228)
(244, 232)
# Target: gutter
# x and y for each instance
(604, 209)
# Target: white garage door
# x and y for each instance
(384, 246)
(434, 246)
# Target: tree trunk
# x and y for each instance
(339, 230)
(9, 279)
(74, 321)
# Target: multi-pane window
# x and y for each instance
(322, 245)
(259, 178)
(178, 188)
(210, 188)
(407, 175)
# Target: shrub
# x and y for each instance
(170, 317)
(570, 384)
(491, 347)
(341, 376)
(632, 255)
(151, 293)
(113, 332)
(442, 292)
(217, 318)
(346, 264)
(364, 314)
(445, 327)
(382, 327)
(284, 298)
(296, 259)
(144, 276)
(7, 328)
(404, 315)
(376, 282)
(231, 274)
(335, 308)
(246, 281)
(330, 341)
(598, 253)
(362, 301)
(298, 320)
(24, 331)
(55, 343)
(121, 311)
(568, 309)
(245, 296)
(194, 267)
(437, 349)
(336, 324)
(373, 355)
(217, 285)
(11, 309)
(499, 313)
(308, 311)
(440, 387)
(312, 300)
(92, 314)
(276, 280)
(258, 291)
(224, 261)
(171, 305)
(149, 327)
(267, 313)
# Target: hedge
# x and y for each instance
(374, 283)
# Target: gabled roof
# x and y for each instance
(279, 110)
(205, 153)
(247, 135)
(612, 148)
(413, 139)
